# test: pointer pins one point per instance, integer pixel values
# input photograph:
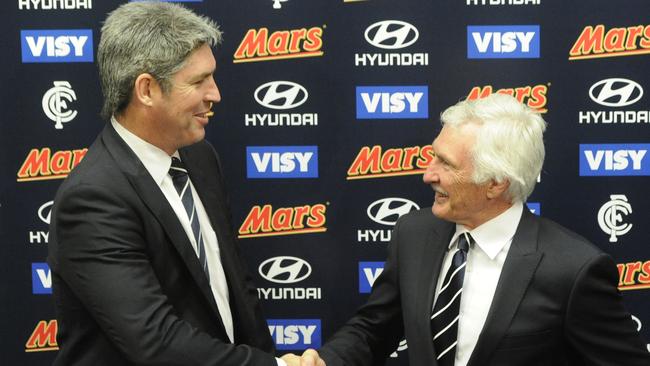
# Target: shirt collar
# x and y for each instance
(494, 234)
(155, 160)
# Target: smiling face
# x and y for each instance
(457, 198)
(182, 113)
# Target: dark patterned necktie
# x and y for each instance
(444, 319)
(181, 181)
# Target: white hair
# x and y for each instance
(509, 143)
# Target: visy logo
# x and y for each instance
(284, 269)
(502, 41)
(386, 211)
(41, 279)
(392, 102)
(281, 95)
(64, 45)
(368, 273)
(295, 334)
(391, 34)
(615, 92)
(282, 161)
(614, 159)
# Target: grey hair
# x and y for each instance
(509, 143)
(147, 37)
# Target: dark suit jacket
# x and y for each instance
(556, 302)
(127, 283)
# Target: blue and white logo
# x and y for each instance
(57, 45)
(41, 279)
(614, 159)
(295, 334)
(392, 102)
(534, 207)
(503, 41)
(368, 273)
(282, 161)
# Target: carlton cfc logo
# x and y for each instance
(391, 34)
(610, 217)
(55, 103)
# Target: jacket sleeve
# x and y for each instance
(377, 327)
(597, 325)
(101, 255)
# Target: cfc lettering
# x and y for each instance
(264, 221)
(42, 164)
(371, 162)
(532, 96)
(259, 45)
(595, 42)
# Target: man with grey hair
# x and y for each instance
(144, 264)
(477, 279)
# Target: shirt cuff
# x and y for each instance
(280, 362)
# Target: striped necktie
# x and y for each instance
(444, 319)
(181, 181)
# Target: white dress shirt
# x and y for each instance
(157, 163)
(484, 264)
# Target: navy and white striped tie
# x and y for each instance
(444, 319)
(181, 181)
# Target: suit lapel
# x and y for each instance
(433, 254)
(518, 270)
(156, 201)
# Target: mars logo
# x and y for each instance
(372, 162)
(43, 164)
(295, 334)
(615, 92)
(44, 213)
(43, 337)
(634, 275)
(533, 96)
(595, 42)
(55, 105)
(391, 35)
(385, 211)
(258, 45)
(281, 95)
(265, 221)
(611, 214)
(287, 270)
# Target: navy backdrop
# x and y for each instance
(328, 108)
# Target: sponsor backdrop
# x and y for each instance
(328, 110)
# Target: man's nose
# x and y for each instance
(213, 94)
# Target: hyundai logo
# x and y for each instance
(615, 92)
(284, 269)
(386, 211)
(45, 211)
(281, 95)
(391, 34)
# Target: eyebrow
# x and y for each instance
(202, 76)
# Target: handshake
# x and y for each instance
(309, 358)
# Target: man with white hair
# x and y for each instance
(477, 279)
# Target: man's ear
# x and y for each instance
(146, 89)
(496, 189)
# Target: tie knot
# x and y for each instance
(464, 241)
(177, 168)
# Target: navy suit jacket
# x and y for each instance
(556, 302)
(127, 283)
